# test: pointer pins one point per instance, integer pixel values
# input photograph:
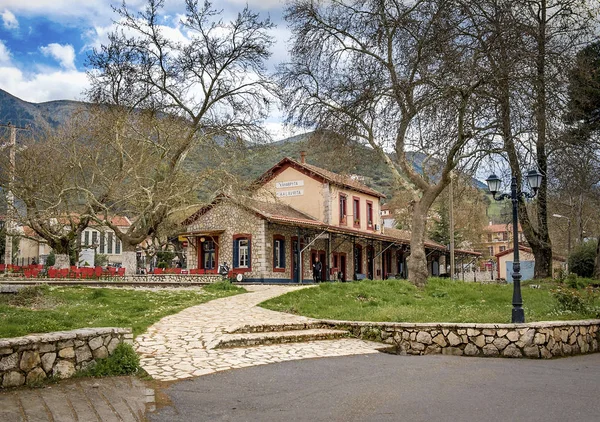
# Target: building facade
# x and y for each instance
(297, 215)
(498, 238)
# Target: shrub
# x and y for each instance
(569, 299)
(123, 361)
(574, 300)
(100, 260)
(224, 285)
(581, 260)
(51, 259)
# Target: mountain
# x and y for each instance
(22, 113)
(254, 161)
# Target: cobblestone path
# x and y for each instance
(124, 399)
(182, 345)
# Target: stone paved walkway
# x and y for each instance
(118, 399)
(180, 346)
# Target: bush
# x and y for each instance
(225, 285)
(123, 361)
(51, 259)
(100, 260)
(581, 260)
(575, 282)
(569, 299)
(574, 300)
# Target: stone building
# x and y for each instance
(299, 213)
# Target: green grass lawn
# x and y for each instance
(442, 300)
(43, 309)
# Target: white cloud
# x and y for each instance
(5, 56)
(47, 86)
(64, 54)
(9, 20)
(258, 4)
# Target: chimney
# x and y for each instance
(303, 157)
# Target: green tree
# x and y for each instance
(582, 259)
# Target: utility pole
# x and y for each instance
(10, 197)
(451, 222)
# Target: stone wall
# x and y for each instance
(533, 340)
(33, 358)
(170, 278)
(229, 219)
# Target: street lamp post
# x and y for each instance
(534, 178)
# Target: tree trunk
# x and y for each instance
(543, 262)
(541, 245)
(417, 260)
(129, 256)
(597, 263)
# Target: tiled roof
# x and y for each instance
(495, 228)
(271, 209)
(405, 235)
(284, 214)
(337, 179)
(529, 250)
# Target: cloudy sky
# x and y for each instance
(44, 43)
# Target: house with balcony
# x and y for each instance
(497, 238)
(296, 213)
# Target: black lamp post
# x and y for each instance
(534, 178)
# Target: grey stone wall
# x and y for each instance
(33, 358)
(170, 278)
(533, 340)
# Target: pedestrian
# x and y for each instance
(317, 267)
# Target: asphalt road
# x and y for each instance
(382, 387)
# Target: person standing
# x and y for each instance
(317, 267)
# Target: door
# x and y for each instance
(342, 272)
(208, 254)
(527, 270)
(387, 264)
(370, 262)
(296, 268)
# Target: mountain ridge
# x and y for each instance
(355, 159)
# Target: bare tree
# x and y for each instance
(395, 75)
(210, 86)
(528, 47)
(47, 199)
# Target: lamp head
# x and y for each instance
(534, 178)
(493, 183)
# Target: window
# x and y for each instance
(95, 239)
(109, 247)
(117, 246)
(491, 250)
(370, 214)
(343, 209)
(102, 245)
(242, 252)
(209, 255)
(356, 211)
(278, 253)
(86, 238)
(502, 248)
